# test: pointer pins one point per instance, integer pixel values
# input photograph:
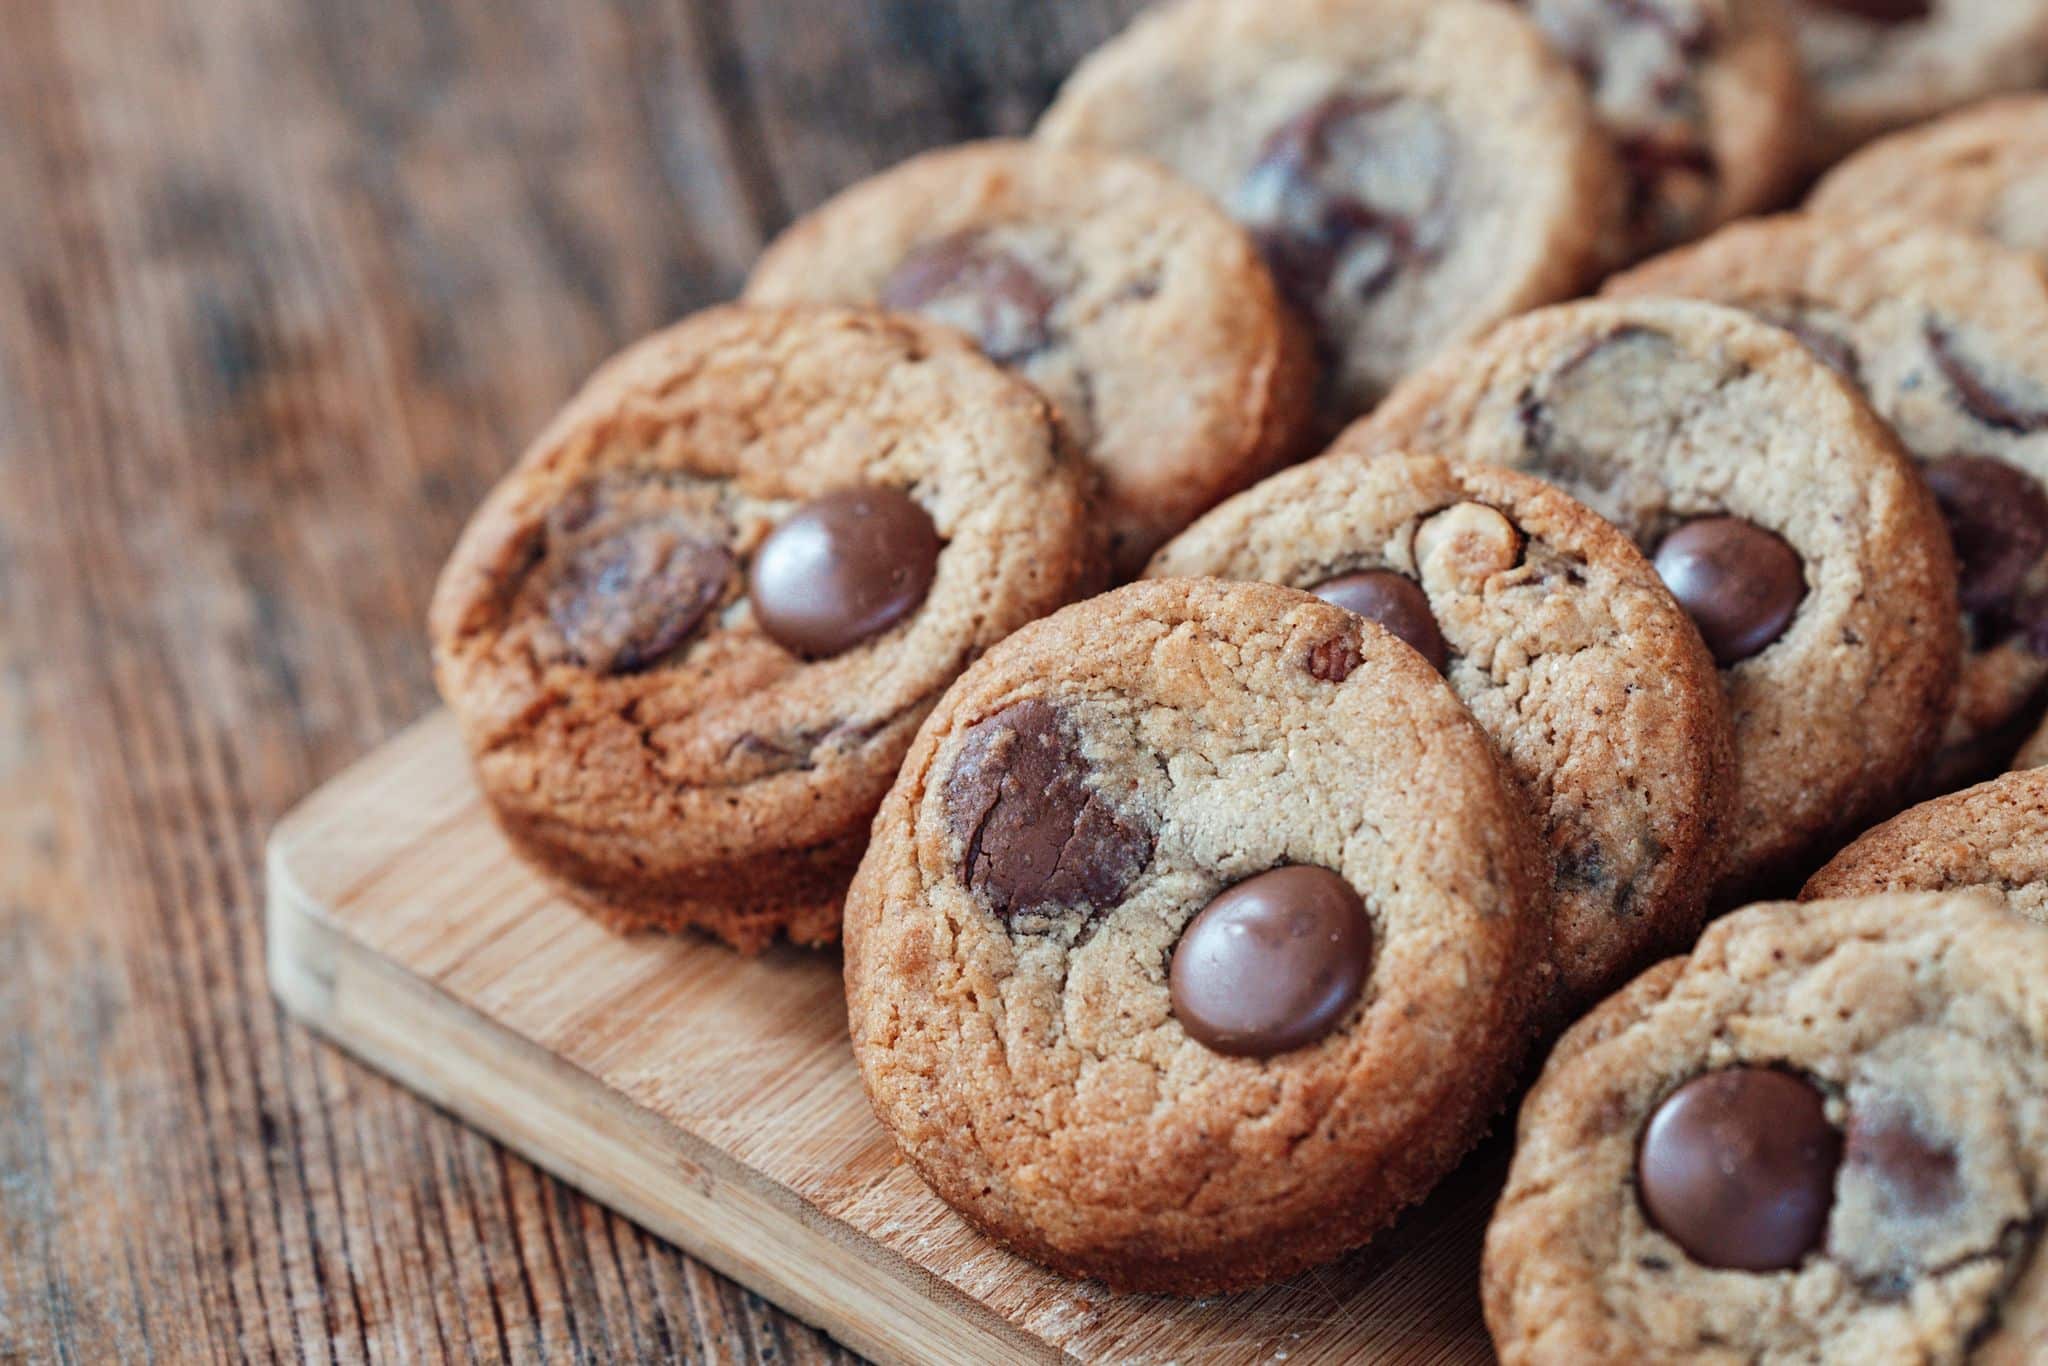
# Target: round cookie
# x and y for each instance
(1876, 65)
(690, 636)
(1778, 508)
(1703, 98)
(1197, 937)
(1991, 838)
(1405, 194)
(1946, 333)
(1822, 1138)
(1123, 293)
(1985, 169)
(1563, 642)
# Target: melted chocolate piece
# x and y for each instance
(1273, 964)
(1038, 836)
(1981, 397)
(965, 281)
(1741, 585)
(1883, 11)
(1738, 1168)
(627, 586)
(1836, 351)
(1998, 517)
(1346, 195)
(843, 569)
(1578, 416)
(1395, 602)
(1916, 1175)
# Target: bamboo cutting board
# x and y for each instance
(713, 1100)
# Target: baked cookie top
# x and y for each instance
(1703, 99)
(1196, 937)
(1823, 1137)
(1991, 838)
(1561, 639)
(1946, 333)
(1876, 65)
(1777, 506)
(1985, 169)
(1122, 292)
(1405, 194)
(699, 622)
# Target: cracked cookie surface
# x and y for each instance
(1563, 642)
(1124, 294)
(1405, 195)
(1183, 751)
(1984, 169)
(1876, 65)
(1884, 1069)
(890, 501)
(1946, 333)
(1992, 838)
(1779, 507)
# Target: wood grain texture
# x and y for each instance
(284, 284)
(714, 1100)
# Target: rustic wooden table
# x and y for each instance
(283, 285)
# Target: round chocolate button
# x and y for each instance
(1395, 602)
(843, 569)
(990, 294)
(1273, 963)
(1998, 518)
(1738, 1168)
(1741, 584)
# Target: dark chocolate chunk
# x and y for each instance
(1348, 194)
(1741, 584)
(1273, 964)
(1998, 518)
(965, 281)
(1037, 835)
(843, 569)
(626, 587)
(1985, 399)
(1916, 1174)
(1395, 602)
(1738, 1168)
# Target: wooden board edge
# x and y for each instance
(742, 1225)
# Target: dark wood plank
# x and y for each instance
(283, 286)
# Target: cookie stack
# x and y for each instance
(1196, 926)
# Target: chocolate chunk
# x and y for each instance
(625, 587)
(1998, 517)
(1348, 194)
(1335, 660)
(1883, 11)
(965, 281)
(843, 569)
(1824, 339)
(1395, 602)
(1615, 392)
(1738, 1168)
(1915, 1174)
(1984, 399)
(1273, 964)
(1741, 584)
(1038, 835)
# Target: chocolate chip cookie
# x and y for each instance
(1985, 169)
(690, 636)
(1198, 936)
(1946, 333)
(1405, 193)
(1558, 635)
(1821, 1138)
(1778, 508)
(1877, 65)
(1703, 99)
(1991, 838)
(1122, 292)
